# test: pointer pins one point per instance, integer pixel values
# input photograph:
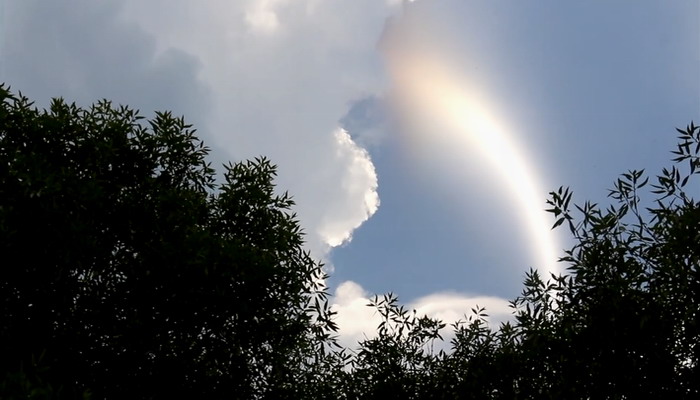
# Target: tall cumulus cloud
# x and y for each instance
(257, 77)
(285, 73)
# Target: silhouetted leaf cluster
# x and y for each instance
(128, 273)
(622, 322)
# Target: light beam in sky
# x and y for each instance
(427, 90)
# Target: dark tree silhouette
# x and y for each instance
(622, 322)
(128, 273)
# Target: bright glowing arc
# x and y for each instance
(465, 124)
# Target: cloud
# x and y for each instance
(358, 181)
(451, 307)
(256, 77)
(357, 321)
(54, 50)
(261, 16)
(285, 74)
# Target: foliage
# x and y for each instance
(127, 272)
(627, 316)
(623, 322)
(398, 362)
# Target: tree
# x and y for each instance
(622, 322)
(127, 272)
(398, 363)
(625, 321)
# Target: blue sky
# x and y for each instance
(596, 88)
(398, 200)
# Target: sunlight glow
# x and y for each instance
(463, 120)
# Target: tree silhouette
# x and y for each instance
(128, 273)
(622, 322)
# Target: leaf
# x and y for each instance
(559, 222)
(644, 182)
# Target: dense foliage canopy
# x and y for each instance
(622, 322)
(128, 272)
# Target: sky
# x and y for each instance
(419, 138)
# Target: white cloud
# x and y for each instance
(356, 321)
(257, 77)
(358, 180)
(284, 74)
(261, 16)
(451, 307)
